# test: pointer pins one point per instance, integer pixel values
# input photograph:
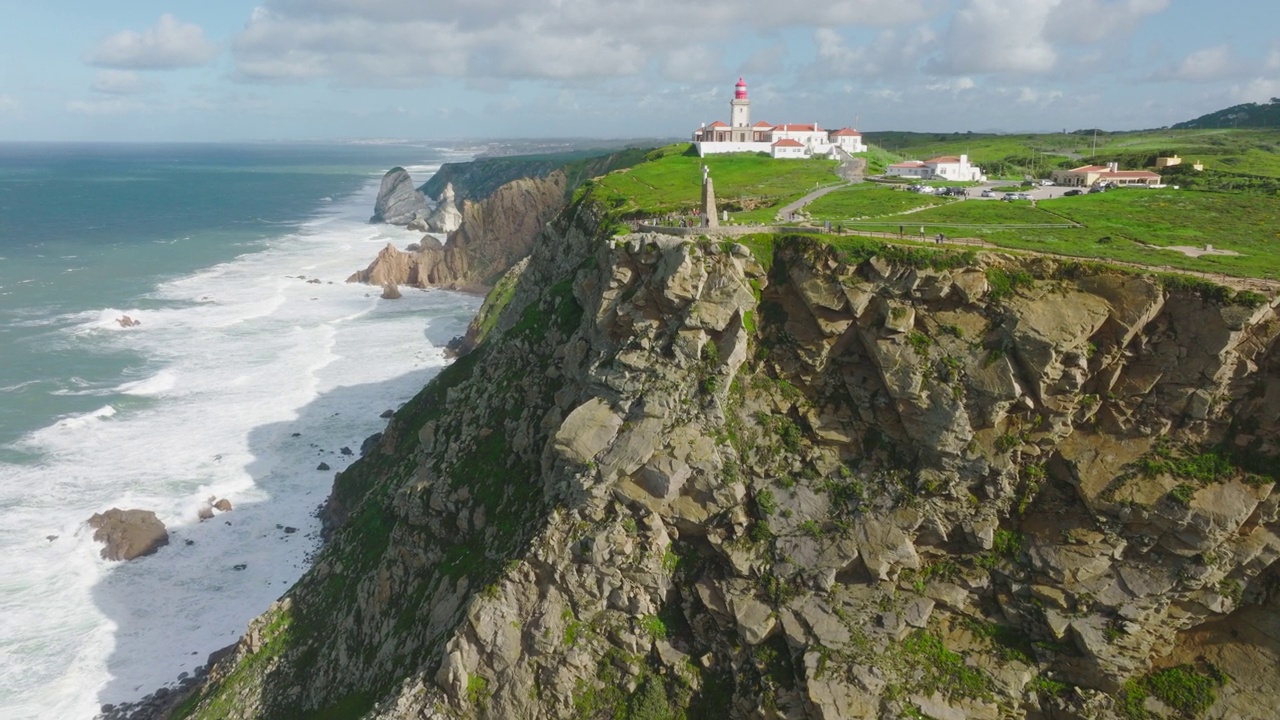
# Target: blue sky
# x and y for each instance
(420, 69)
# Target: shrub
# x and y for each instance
(1004, 282)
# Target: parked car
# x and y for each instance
(1097, 189)
(1073, 193)
(1046, 183)
(988, 193)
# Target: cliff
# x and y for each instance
(792, 479)
(480, 178)
(494, 234)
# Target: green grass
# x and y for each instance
(1119, 224)
(868, 200)
(986, 212)
(943, 670)
(1247, 151)
(750, 186)
(1183, 688)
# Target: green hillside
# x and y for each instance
(1244, 152)
(751, 186)
(1246, 115)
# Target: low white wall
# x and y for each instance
(716, 148)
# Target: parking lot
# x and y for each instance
(1036, 192)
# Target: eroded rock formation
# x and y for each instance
(398, 203)
(791, 481)
(128, 534)
(493, 235)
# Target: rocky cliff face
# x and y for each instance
(493, 235)
(398, 202)
(446, 217)
(789, 480)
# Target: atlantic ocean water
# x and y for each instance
(253, 363)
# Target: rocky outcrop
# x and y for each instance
(128, 534)
(789, 480)
(446, 217)
(398, 202)
(494, 235)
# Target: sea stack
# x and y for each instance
(399, 203)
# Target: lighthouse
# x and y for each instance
(740, 111)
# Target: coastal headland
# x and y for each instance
(807, 472)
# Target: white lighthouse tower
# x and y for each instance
(740, 113)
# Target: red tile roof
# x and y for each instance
(762, 124)
(1130, 174)
(718, 124)
(797, 128)
(1089, 169)
(788, 142)
(846, 132)
(908, 164)
(943, 159)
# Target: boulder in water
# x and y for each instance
(125, 321)
(223, 505)
(391, 292)
(128, 534)
(398, 203)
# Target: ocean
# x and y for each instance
(253, 363)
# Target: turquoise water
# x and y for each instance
(254, 362)
(84, 227)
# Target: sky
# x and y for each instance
(292, 70)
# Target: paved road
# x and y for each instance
(788, 210)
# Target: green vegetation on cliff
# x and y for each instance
(752, 187)
(792, 475)
(478, 179)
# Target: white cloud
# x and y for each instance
(991, 36)
(893, 52)
(104, 107)
(1205, 65)
(765, 61)
(170, 44)
(1032, 36)
(389, 42)
(120, 82)
(1258, 90)
(694, 63)
(1033, 96)
(1092, 21)
(955, 86)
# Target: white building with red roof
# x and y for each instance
(943, 167)
(1090, 175)
(741, 136)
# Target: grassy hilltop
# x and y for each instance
(1234, 159)
(1234, 205)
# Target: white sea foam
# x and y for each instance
(254, 375)
(157, 384)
